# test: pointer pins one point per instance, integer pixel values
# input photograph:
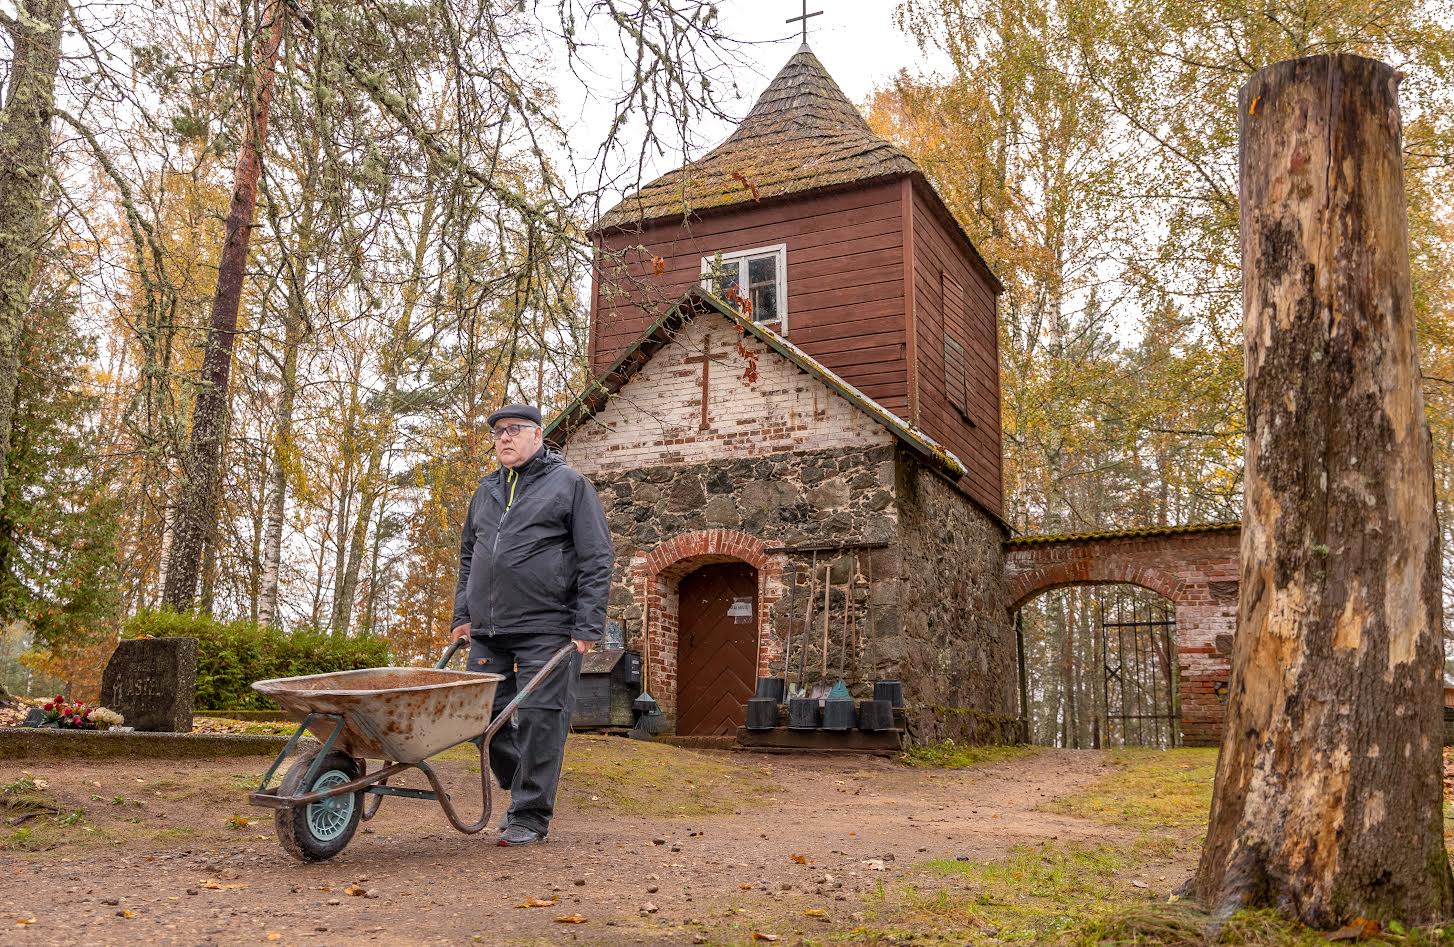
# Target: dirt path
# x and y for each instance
(155, 861)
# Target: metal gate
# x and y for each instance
(1138, 699)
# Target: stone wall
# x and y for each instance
(955, 647)
(770, 511)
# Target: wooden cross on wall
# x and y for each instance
(804, 19)
(705, 359)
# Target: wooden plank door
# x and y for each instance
(716, 648)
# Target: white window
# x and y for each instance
(755, 281)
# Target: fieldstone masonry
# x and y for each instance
(1197, 568)
(151, 682)
(721, 449)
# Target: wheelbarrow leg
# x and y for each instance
(483, 742)
(443, 795)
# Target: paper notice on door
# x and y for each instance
(740, 611)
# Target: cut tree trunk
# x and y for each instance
(25, 148)
(197, 511)
(1327, 798)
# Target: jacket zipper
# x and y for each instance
(514, 478)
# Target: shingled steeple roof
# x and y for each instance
(802, 134)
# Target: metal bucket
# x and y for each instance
(761, 713)
(772, 688)
(891, 691)
(838, 714)
(803, 713)
(875, 715)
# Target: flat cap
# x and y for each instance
(522, 411)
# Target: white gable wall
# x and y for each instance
(758, 403)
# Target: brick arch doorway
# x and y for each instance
(658, 577)
(717, 647)
(1099, 667)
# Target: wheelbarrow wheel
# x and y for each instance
(317, 832)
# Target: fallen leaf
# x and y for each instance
(215, 885)
(799, 859)
(274, 935)
(239, 822)
(1357, 929)
(536, 903)
(759, 935)
(25, 920)
(815, 912)
(745, 886)
(571, 919)
(354, 891)
(125, 913)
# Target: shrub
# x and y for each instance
(231, 655)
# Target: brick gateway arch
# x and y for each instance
(1195, 567)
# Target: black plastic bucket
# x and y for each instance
(772, 688)
(761, 713)
(891, 691)
(875, 715)
(838, 714)
(803, 713)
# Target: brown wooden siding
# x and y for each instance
(849, 257)
(938, 252)
(845, 281)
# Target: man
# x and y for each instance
(534, 572)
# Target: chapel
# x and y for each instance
(794, 425)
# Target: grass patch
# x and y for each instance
(1034, 895)
(635, 777)
(33, 821)
(1180, 925)
(1150, 790)
(951, 755)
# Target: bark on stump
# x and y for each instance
(1327, 800)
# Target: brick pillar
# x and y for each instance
(1204, 628)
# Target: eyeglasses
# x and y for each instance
(511, 431)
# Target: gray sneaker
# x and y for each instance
(517, 835)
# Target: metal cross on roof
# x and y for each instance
(804, 19)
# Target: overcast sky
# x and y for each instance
(857, 41)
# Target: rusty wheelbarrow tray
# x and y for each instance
(401, 716)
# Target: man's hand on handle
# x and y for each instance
(461, 631)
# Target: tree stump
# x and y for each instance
(1328, 799)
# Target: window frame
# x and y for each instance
(778, 250)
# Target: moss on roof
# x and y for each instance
(1130, 533)
(803, 134)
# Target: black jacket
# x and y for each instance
(535, 553)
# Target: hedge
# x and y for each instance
(231, 655)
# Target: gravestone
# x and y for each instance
(151, 682)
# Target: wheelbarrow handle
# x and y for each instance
(560, 657)
(454, 646)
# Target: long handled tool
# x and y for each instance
(827, 587)
(807, 622)
(788, 644)
(648, 712)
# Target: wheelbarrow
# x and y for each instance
(401, 716)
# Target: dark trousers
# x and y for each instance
(526, 757)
